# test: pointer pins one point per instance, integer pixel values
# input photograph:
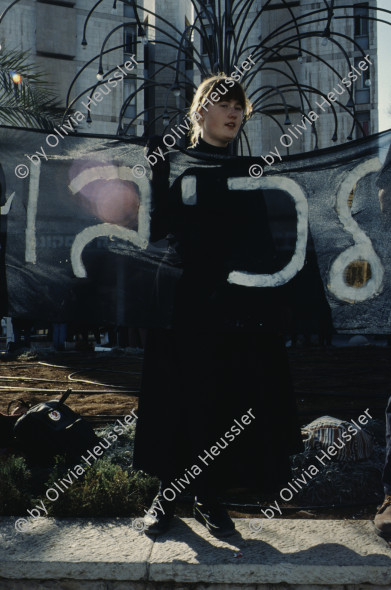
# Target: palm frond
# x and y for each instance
(31, 102)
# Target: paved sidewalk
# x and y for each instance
(102, 554)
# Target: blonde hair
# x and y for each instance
(205, 89)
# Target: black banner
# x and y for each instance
(75, 228)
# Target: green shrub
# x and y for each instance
(109, 487)
(15, 490)
(105, 489)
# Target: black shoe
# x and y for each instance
(214, 517)
(159, 517)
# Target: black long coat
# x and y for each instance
(224, 355)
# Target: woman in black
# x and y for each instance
(216, 408)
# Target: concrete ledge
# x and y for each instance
(107, 554)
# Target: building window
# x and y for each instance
(189, 58)
(364, 117)
(208, 10)
(206, 44)
(362, 91)
(361, 25)
(188, 47)
(130, 39)
(129, 89)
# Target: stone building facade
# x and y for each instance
(321, 63)
(160, 86)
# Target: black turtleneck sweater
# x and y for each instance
(208, 148)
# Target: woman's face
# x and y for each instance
(221, 122)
